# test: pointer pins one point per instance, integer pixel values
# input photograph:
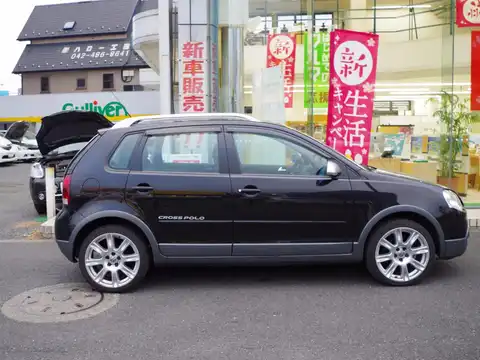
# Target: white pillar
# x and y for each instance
(164, 56)
(233, 19)
(50, 191)
(197, 26)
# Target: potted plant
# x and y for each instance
(454, 118)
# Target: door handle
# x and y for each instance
(143, 188)
(249, 191)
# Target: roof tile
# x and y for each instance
(91, 18)
(95, 54)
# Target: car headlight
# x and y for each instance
(453, 201)
(36, 171)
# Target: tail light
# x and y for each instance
(66, 190)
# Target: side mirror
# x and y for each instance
(333, 169)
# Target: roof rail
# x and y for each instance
(181, 117)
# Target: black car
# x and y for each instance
(223, 189)
(60, 137)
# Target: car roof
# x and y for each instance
(182, 117)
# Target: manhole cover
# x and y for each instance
(58, 303)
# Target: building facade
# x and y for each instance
(80, 47)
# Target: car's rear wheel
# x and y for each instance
(400, 252)
(114, 258)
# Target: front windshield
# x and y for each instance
(68, 148)
(29, 135)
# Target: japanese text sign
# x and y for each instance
(468, 13)
(281, 52)
(193, 68)
(475, 72)
(353, 68)
(316, 70)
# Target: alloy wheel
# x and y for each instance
(402, 254)
(112, 260)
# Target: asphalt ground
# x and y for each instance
(18, 218)
(317, 313)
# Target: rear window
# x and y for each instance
(120, 159)
(80, 154)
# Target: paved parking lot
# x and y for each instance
(327, 313)
(240, 313)
(18, 217)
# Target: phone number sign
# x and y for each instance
(97, 51)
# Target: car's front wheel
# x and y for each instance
(400, 252)
(114, 258)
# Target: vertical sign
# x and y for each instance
(193, 69)
(198, 58)
(475, 72)
(317, 70)
(353, 68)
(281, 52)
(468, 13)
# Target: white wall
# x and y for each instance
(425, 57)
(393, 25)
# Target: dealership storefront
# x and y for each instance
(273, 58)
(113, 105)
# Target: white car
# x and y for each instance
(24, 141)
(7, 151)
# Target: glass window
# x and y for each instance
(263, 154)
(121, 157)
(108, 81)
(286, 22)
(44, 84)
(189, 152)
(81, 83)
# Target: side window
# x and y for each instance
(269, 155)
(189, 152)
(120, 159)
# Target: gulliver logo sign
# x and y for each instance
(112, 109)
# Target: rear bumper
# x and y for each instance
(455, 247)
(66, 248)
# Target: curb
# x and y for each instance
(474, 223)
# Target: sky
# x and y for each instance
(13, 17)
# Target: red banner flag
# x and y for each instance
(353, 70)
(475, 72)
(468, 13)
(281, 50)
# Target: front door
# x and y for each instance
(284, 203)
(180, 181)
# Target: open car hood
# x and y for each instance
(69, 127)
(17, 131)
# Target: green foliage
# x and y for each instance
(454, 118)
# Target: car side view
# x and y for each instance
(227, 189)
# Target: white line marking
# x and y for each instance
(21, 241)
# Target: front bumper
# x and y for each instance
(7, 156)
(455, 248)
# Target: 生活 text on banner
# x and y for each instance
(193, 68)
(353, 69)
(475, 72)
(468, 13)
(316, 70)
(281, 50)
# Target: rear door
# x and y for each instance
(284, 203)
(180, 182)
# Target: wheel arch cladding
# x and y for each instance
(418, 215)
(90, 224)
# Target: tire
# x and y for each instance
(41, 209)
(417, 259)
(129, 274)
